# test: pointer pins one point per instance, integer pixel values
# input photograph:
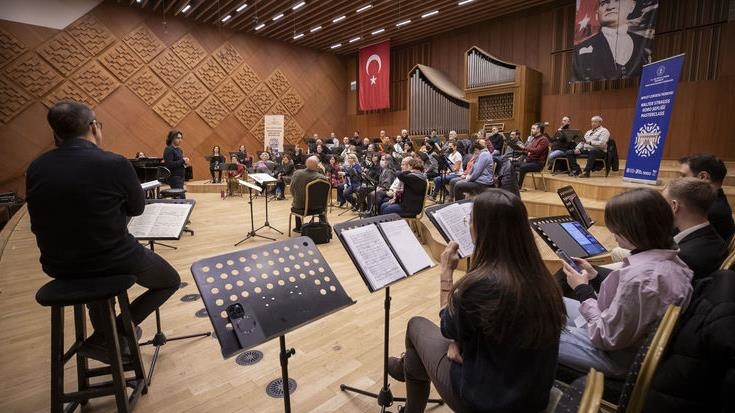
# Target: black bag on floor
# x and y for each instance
(320, 232)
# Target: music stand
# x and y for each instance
(253, 231)
(385, 396)
(167, 225)
(264, 180)
(255, 295)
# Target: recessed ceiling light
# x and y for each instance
(354, 39)
(463, 2)
(241, 8)
(403, 23)
(228, 17)
(298, 6)
(260, 26)
(378, 31)
(278, 16)
(339, 19)
(186, 8)
(334, 46)
(316, 29)
(298, 36)
(363, 8)
(429, 14)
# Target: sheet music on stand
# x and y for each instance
(147, 186)
(160, 220)
(451, 221)
(262, 178)
(249, 185)
(384, 249)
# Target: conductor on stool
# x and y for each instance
(298, 187)
(79, 217)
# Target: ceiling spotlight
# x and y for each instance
(278, 16)
(377, 32)
(403, 23)
(339, 19)
(316, 29)
(260, 26)
(298, 6)
(228, 17)
(186, 8)
(429, 14)
(334, 46)
(241, 8)
(354, 39)
(363, 8)
(298, 36)
(463, 2)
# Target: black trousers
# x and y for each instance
(527, 167)
(219, 175)
(153, 273)
(591, 155)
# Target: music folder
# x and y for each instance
(453, 225)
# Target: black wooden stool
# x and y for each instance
(101, 291)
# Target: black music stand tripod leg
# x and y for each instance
(284, 356)
(385, 396)
(266, 224)
(253, 231)
(159, 339)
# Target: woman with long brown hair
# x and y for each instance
(497, 347)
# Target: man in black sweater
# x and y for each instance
(700, 247)
(79, 198)
(712, 170)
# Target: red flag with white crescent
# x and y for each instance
(374, 79)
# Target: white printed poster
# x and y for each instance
(274, 132)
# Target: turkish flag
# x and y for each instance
(374, 81)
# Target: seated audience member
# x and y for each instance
(265, 165)
(140, 155)
(480, 177)
(321, 153)
(332, 171)
(352, 175)
(700, 247)
(370, 174)
(535, 152)
(559, 144)
(356, 140)
(215, 164)
(712, 170)
(431, 165)
(234, 174)
(496, 347)
(81, 230)
(298, 188)
(398, 146)
(456, 168)
(434, 138)
(174, 160)
(496, 139)
(469, 163)
(632, 299)
(451, 138)
(593, 147)
(410, 200)
(244, 157)
(284, 171)
(384, 181)
(697, 373)
(298, 157)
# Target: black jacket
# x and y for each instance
(173, 158)
(720, 216)
(703, 251)
(593, 59)
(697, 373)
(414, 192)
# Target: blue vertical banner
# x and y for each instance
(652, 116)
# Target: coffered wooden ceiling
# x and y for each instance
(316, 23)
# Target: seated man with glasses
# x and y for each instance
(79, 197)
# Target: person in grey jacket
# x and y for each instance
(481, 175)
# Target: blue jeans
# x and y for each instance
(576, 349)
(387, 208)
(553, 155)
(345, 193)
(439, 182)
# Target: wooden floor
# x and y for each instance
(191, 375)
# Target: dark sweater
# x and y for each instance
(720, 216)
(495, 377)
(79, 198)
(173, 159)
(414, 192)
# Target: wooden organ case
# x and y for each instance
(501, 94)
(435, 103)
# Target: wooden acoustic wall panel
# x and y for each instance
(95, 80)
(278, 83)
(263, 97)
(68, 91)
(212, 111)
(246, 77)
(13, 99)
(230, 94)
(248, 113)
(210, 73)
(292, 101)
(33, 74)
(228, 57)
(147, 86)
(121, 61)
(64, 53)
(258, 131)
(189, 50)
(171, 108)
(191, 90)
(91, 34)
(169, 67)
(145, 43)
(10, 47)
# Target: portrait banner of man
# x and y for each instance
(613, 39)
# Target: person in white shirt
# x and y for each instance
(456, 169)
(594, 147)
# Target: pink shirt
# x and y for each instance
(635, 296)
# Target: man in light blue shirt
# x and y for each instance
(481, 175)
